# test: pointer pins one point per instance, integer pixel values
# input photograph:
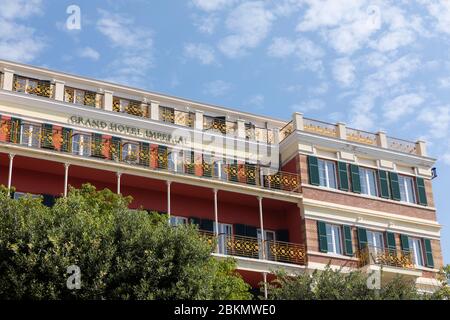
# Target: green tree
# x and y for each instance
(443, 292)
(122, 253)
(333, 284)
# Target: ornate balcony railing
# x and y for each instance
(402, 145)
(33, 86)
(141, 154)
(286, 130)
(361, 136)
(249, 247)
(320, 127)
(385, 257)
(133, 107)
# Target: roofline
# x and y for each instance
(213, 107)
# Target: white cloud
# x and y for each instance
(201, 52)
(444, 83)
(212, 5)
(309, 105)
(216, 88)
(308, 53)
(249, 24)
(344, 71)
(206, 24)
(394, 40)
(402, 106)
(256, 101)
(18, 41)
(322, 88)
(134, 48)
(89, 53)
(440, 10)
(437, 119)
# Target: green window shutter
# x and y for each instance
(390, 237)
(429, 262)
(322, 231)
(313, 171)
(144, 154)
(348, 245)
(362, 237)
(97, 145)
(421, 191)
(47, 136)
(356, 183)
(343, 176)
(14, 134)
(116, 148)
(395, 187)
(404, 241)
(384, 184)
(66, 145)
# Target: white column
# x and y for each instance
(216, 219)
(298, 121)
(154, 110)
(108, 100)
(119, 175)
(241, 128)
(382, 139)
(8, 78)
(261, 223)
(341, 130)
(168, 199)
(265, 284)
(198, 120)
(421, 147)
(59, 90)
(11, 158)
(66, 177)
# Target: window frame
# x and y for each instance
(417, 252)
(178, 220)
(403, 186)
(126, 153)
(29, 142)
(84, 148)
(334, 245)
(327, 173)
(364, 179)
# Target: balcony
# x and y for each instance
(392, 262)
(248, 247)
(133, 153)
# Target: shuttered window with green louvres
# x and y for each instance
(97, 145)
(362, 238)
(313, 171)
(356, 182)
(391, 245)
(343, 176)
(429, 262)
(66, 145)
(14, 132)
(47, 136)
(115, 149)
(348, 244)
(322, 232)
(384, 184)
(420, 182)
(395, 187)
(144, 154)
(404, 242)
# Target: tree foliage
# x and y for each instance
(122, 253)
(333, 284)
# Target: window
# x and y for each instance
(268, 236)
(176, 221)
(18, 195)
(225, 232)
(407, 192)
(25, 85)
(130, 152)
(375, 240)
(334, 239)
(327, 173)
(30, 135)
(368, 178)
(83, 97)
(174, 164)
(415, 246)
(81, 144)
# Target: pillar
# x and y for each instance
(66, 177)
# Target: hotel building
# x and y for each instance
(291, 194)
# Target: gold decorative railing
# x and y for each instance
(283, 181)
(319, 127)
(402, 145)
(83, 97)
(183, 118)
(286, 130)
(33, 86)
(250, 247)
(385, 257)
(362, 136)
(132, 107)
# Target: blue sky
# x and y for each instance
(371, 64)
